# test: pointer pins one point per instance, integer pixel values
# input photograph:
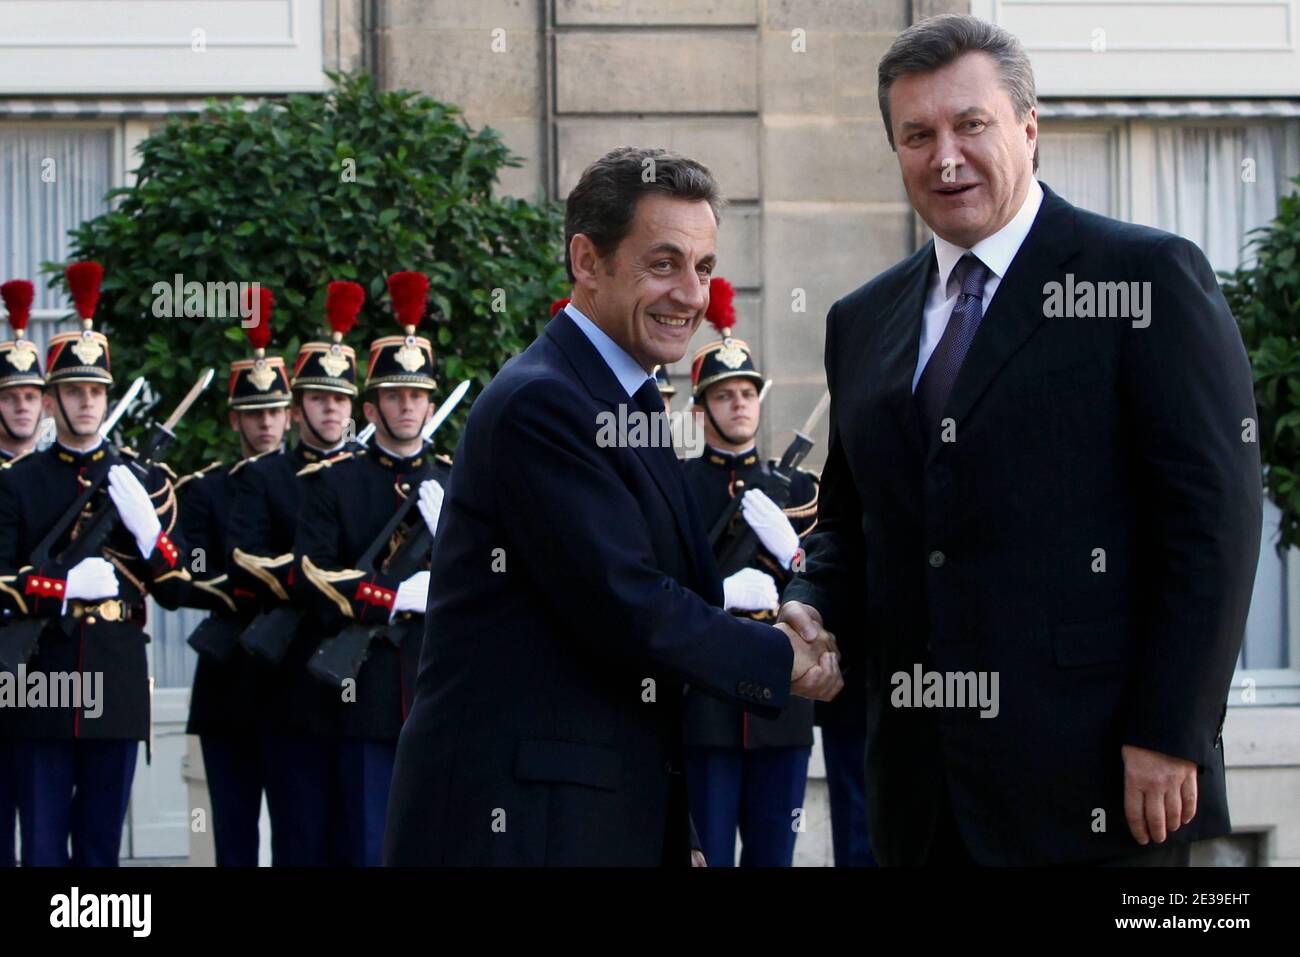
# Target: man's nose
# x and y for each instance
(947, 153)
(691, 293)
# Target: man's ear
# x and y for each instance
(585, 260)
(371, 412)
(233, 417)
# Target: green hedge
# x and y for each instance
(1265, 298)
(268, 195)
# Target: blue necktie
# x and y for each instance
(939, 374)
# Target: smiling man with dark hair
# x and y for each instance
(573, 592)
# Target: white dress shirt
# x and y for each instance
(995, 252)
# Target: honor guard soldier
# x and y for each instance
(21, 382)
(367, 580)
(226, 701)
(666, 388)
(743, 771)
(76, 758)
(21, 385)
(299, 715)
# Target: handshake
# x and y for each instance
(816, 671)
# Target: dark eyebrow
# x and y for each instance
(909, 125)
(676, 250)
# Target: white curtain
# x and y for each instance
(1080, 166)
(1215, 183)
(51, 181)
(1203, 185)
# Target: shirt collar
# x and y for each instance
(731, 459)
(627, 370)
(996, 251)
(79, 457)
(391, 460)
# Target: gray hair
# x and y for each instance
(934, 43)
(603, 204)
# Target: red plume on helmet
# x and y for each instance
(721, 312)
(83, 280)
(409, 291)
(18, 295)
(559, 304)
(343, 301)
(259, 333)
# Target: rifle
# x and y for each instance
(270, 633)
(18, 641)
(339, 659)
(216, 637)
(738, 551)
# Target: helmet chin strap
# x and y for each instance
(67, 419)
(714, 422)
(306, 420)
(387, 428)
(243, 437)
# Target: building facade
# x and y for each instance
(1183, 115)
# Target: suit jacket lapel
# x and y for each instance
(900, 338)
(1016, 309)
(660, 462)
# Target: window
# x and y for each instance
(1211, 180)
(53, 177)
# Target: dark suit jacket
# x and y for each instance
(1072, 435)
(572, 595)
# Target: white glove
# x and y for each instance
(412, 595)
(750, 590)
(90, 579)
(134, 507)
(430, 504)
(771, 526)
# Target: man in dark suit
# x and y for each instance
(573, 591)
(1043, 475)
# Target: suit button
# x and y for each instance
(767, 694)
(90, 619)
(937, 559)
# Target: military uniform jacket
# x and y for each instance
(227, 695)
(7, 459)
(348, 502)
(266, 494)
(715, 478)
(34, 493)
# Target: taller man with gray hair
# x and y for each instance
(573, 590)
(1043, 476)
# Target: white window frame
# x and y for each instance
(1135, 169)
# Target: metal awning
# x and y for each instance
(1147, 109)
(98, 108)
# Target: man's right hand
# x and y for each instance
(816, 670)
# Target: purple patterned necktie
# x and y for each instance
(940, 372)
